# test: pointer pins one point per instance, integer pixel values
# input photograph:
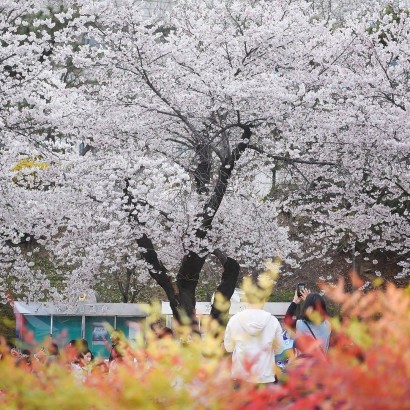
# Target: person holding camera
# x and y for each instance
(313, 320)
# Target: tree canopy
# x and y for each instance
(182, 120)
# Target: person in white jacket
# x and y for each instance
(254, 337)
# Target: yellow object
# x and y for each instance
(28, 162)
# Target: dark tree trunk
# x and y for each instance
(188, 275)
(183, 298)
(187, 281)
(227, 285)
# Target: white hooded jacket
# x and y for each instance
(254, 336)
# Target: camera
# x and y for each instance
(300, 288)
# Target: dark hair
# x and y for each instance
(53, 349)
(314, 302)
(160, 323)
(83, 345)
(160, 330)
(166, 331)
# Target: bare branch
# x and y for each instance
(286, 158)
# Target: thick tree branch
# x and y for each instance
(202, 173)
(156, 268)
(225, 172)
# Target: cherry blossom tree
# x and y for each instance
(361, 202)
(181, 117)
(183, 109)
(23, 67)
(216, 90)
(30, 144)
